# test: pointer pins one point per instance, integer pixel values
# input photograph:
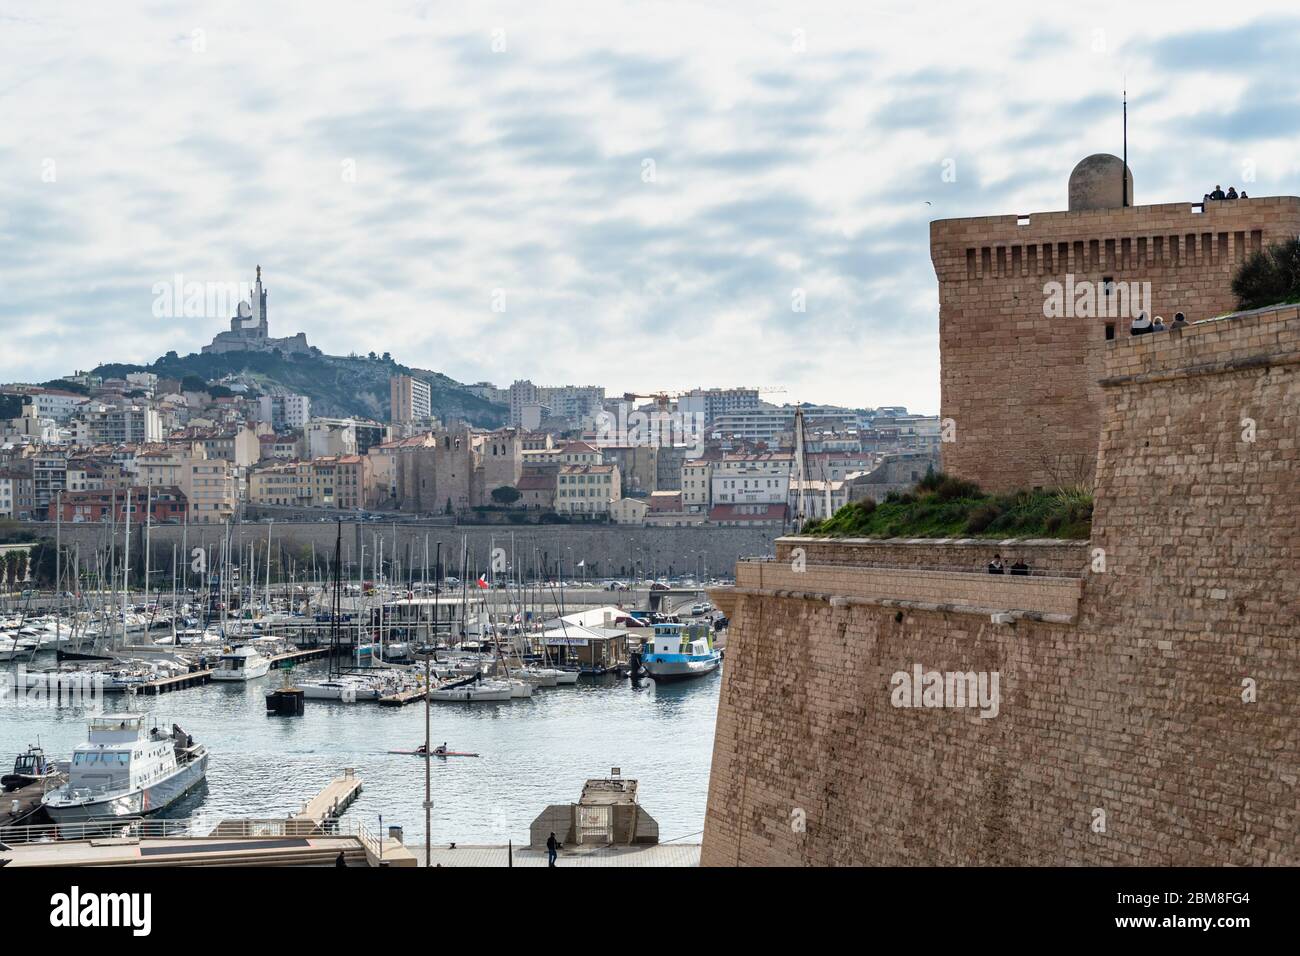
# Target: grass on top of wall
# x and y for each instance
(940, 506)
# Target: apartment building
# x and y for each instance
(284, 411)
(7, 494)
(765, 423)
(84, 476)
(49, 477)
(161, 505)
(57, 405)
(697, 482)
(327, 437)
(351, 480)
(762, 478)
(410, 399)
(113, 425)
(574, 403)
(341, 481)
(712, 403)
(587, 490)
(580, 453)
(211, 489)
(279, 483)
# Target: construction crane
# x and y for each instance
(660, 398)
(663, 398)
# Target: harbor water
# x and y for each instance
(534, 752)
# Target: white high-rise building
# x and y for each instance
(285, 411)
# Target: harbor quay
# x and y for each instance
(605, 827)
(172, 732)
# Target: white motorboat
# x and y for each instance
(537, 676)
(124, 770)
(12, 647)
(518, 688)
(348, 689)
(477, 691)
(242, 663)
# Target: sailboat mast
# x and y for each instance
(269, 523)
(126, 563)
(148, 527)
(58, 560)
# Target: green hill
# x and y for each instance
(338, 386)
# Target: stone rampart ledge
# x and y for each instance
(930, 542)
(1050, 557)
(1242, 364)
(720, 596)
(1238, 342)
(995, 593)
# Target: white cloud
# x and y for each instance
(522, 170)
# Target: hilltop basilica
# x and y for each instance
(250, 329)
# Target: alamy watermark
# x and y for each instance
(20, 687)
(1086, 299)
(655, 429)
(178, 299)
(922, 688)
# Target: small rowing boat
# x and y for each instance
(436, 753)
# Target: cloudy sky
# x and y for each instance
(645, 189)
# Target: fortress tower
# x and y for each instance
(1020, 387)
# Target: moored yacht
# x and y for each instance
(13, 647)
(476, 690)
(124, 770)
(241, 663)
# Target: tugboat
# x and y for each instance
(680, 651)
(124, 770)
(31, 767)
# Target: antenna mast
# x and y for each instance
(1123, 173)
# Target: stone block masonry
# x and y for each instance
(1159, 729)
(1023, 390)
(608, 550)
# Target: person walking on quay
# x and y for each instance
(341, 861)
(552, 845)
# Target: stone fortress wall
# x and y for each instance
(1155, 725)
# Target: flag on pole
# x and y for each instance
(482, 581)
(582, 563)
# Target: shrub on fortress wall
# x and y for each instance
(941, 506)
(1269, 277)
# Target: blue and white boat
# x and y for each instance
(679, 651)
(126, 770)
